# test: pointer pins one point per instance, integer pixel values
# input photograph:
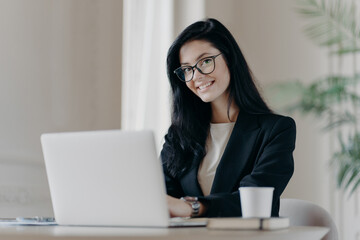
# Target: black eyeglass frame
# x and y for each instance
(195, 66)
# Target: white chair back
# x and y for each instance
(305, 213)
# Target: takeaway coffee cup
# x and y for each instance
(256, 201)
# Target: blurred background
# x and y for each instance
(76, 65)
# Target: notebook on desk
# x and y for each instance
(107, 178)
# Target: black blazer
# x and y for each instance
(259, 153)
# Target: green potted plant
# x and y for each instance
(334, 24)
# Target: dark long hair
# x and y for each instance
(190, 120)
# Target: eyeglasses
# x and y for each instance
(204, 66)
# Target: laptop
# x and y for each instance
(107, 178)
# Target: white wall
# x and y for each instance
(60, 70)
(186, 12)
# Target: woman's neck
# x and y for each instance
(220, 112)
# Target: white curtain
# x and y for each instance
(149, 27)
(147, 35)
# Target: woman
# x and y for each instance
(222, 134)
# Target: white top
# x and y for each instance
(215, 145)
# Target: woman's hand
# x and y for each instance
(178, 208)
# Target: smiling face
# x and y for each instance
(212, 87)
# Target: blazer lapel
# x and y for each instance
(189, 181)
(237, 153)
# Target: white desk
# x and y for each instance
(97, 233)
